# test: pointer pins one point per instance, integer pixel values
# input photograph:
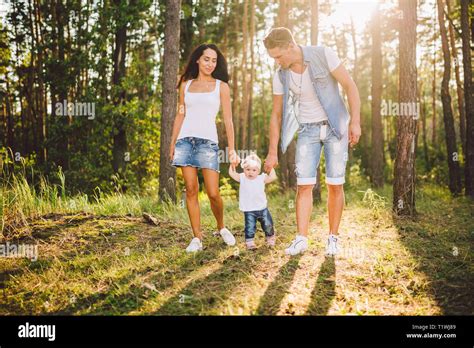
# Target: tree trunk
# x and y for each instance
(226, 24)
(404, 171)
(422, 101)
(40, 93)
(355, 77)
(221, 132)
(119, 149)
(457, 63)
(314, 22)
(236, 91)
(468, 99)
(450, 134)
(235, 104)
(64, 121)
(314, 42)
(252, 77)
(377, 131)
(245, 83)
(287, 162)
(433, 86)
(261, 141)
(169, 98)
(10, 124)
(186, 32)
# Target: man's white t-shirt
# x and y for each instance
(252, 193)
(310, 109)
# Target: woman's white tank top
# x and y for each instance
(200, 113)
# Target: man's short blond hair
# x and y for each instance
(278, 37)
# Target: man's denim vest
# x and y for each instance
(327, 90)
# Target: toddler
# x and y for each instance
(252, 199)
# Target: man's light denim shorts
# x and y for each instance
(196, 152)
(312, 137)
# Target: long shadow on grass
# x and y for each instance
(45, 263)
(10, 305)
(111, 300)
(276, 291)
(325, 289)
(109, 303)
(444, 255)
(205, 295)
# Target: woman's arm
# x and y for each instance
(233, 174)
(178, 121)
(229, 125)
(272, 177)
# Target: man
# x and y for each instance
(306, 99)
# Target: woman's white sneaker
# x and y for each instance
(194, 246)
(228, 237)
(297, 246)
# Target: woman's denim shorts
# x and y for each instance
(196, 152)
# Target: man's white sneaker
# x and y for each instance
(297, 246)
(194, 246)
(228, 237)
(332, 247)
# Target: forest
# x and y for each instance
(88, 97)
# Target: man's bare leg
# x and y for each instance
(304, 207)
(335, 207)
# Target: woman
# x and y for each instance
(203, 89)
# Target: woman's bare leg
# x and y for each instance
(211, 181)
(192, 204)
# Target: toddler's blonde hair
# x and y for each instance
(250, 161)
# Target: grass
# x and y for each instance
(97, 256)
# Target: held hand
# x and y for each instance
(234, 158)
(270, 162)
(354, 134)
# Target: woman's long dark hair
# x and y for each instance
(192, 68)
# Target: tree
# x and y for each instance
(245, 79)
(314, 42)
(167, 179)
(459, 91)
(450, 134)
(287, 160)
(404, 171)
(377, 159)
(119, 160)
(187, 30)
(57, 73)
(314, 22)
(468, 98)
(433, 85)
(252, 77)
